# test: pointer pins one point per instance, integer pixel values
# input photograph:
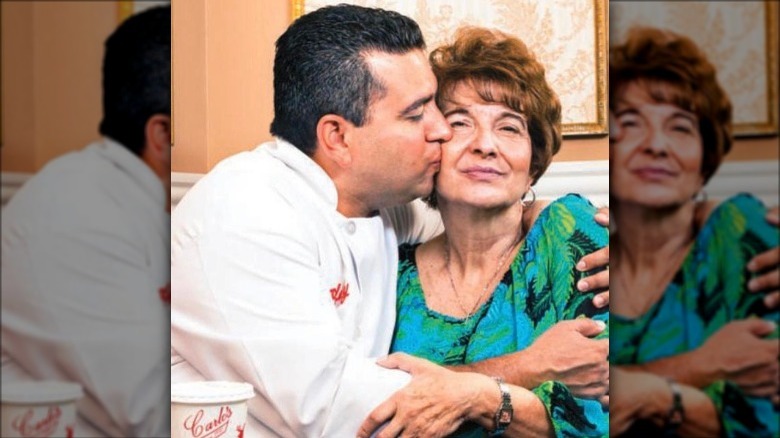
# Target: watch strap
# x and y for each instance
(505, 412)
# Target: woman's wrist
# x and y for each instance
(656, 400)
(487, 400)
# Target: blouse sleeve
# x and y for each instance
(567, 232)
(736, 232)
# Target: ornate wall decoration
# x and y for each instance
(569, 37)
(740, 38)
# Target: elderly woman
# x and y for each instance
(693, 348)
(489, 287)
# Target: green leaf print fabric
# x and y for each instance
(707, 292)
(537, 291)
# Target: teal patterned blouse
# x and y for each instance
(537, 291)
(707, 292)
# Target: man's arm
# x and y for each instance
(738, 352)
(566, 353)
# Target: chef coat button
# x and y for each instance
(351, 227)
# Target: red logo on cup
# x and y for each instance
(208, 429)
(240, 430)
(340, 293)
(27, 427)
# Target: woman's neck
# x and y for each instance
(650, 246)
(476, 238)
(647, 237)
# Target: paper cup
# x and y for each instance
(209, 409)
(39, 409)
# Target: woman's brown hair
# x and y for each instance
(672, 69)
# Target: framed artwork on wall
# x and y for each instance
(568, 37)
(126, 8)
(739, 38)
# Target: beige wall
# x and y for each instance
(223, 98)
(222, 91)
(51, 58)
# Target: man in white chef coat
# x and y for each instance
(85, 250)
(284, 258)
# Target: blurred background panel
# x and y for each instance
(50, 95)
(741, 40)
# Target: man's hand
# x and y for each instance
(737, 352)
(769, 260)
(434, 404)
(598, 259)
(567, 354)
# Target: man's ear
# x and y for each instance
(333, 139)
(157, 132)
(157, 150)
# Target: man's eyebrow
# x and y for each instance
(416, 104)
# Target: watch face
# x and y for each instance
(505, 416)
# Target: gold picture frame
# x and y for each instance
(569, 37)
(739, 38)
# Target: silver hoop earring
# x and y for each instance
(533, 198)
(700, 196)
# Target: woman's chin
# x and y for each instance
(655, 201)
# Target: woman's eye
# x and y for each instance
(512, 129)
(416, 118)
(457, 124)
(683, 129)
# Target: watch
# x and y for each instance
(505, 411)
(676, 414)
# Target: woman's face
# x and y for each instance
(656, 156)
(486, 164)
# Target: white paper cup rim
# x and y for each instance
(40, 392)
(211, 392)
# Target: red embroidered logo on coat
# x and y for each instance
(339, 293)
(165, 293)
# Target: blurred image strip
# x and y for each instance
(693, 334)
(85, 239)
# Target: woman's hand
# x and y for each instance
(567, 353)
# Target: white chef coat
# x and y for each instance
(85, 247)
(272, 286)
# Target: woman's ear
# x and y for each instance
(333, 139)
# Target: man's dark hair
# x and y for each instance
(320, 67)
(137, 76)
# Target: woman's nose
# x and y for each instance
(656, 142)
(483, 142)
